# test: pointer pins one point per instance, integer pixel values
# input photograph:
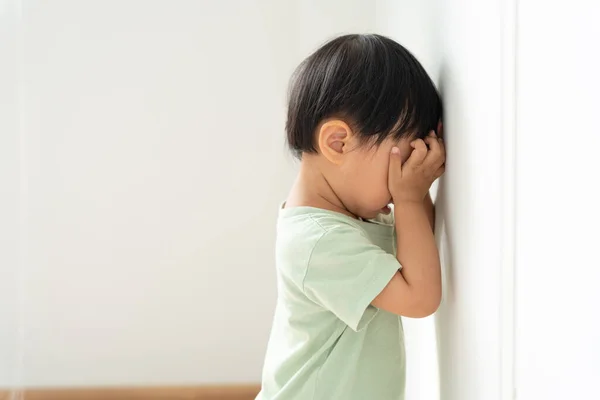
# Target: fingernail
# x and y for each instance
(395, 150)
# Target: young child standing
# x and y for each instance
(362, 118)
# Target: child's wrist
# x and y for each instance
(408, 206)
(407, 201)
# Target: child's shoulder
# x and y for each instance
(305, 234)
(307, 222)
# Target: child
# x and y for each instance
(361, 118)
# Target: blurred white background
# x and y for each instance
(142, 161)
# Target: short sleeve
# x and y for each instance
(346, 272)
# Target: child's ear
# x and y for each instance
(334, 139)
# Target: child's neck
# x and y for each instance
(313, 189)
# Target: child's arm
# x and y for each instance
(415, 290)
(430, 210)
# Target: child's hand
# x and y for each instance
(411, 182)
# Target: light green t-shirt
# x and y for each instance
(327, 341)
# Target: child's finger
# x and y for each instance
(432, 142)
(395, 160)
(435, 155)
(440, 171)
(418, 154)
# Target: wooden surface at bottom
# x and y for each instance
(233, 392)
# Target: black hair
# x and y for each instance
(370, 82)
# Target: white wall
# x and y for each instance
(9, 193)
(519, 202)
(152, 152)
(558, 268)
(471, 199)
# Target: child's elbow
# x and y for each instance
(428, 305)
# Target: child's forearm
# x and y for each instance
(417, 252)
(430, 210)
